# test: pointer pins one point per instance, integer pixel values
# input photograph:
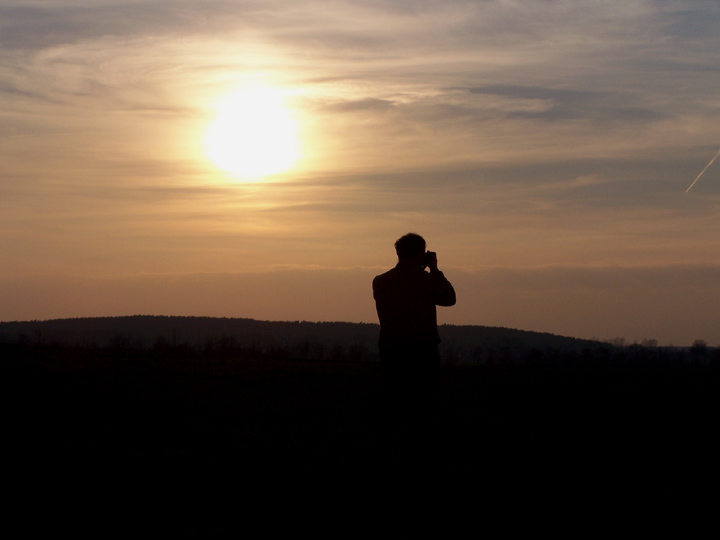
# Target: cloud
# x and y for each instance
(42, 25)
(361, 105)
(562, 104)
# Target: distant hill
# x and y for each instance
(298, 339)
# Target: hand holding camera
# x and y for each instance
(430, 261)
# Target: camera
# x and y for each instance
(429, 259)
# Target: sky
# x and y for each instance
(543, 148)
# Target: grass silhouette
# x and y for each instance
(184, 422)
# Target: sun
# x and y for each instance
(254, 134)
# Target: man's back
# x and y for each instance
(405, 298)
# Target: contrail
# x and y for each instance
(705, 169)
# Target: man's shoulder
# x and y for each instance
(385, 276)
(402, 274)
(387, 282)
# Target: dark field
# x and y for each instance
(189, 423)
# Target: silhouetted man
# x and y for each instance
(405, 298)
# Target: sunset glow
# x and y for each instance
(254, 134)
(259, 160)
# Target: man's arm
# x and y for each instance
(443, 291)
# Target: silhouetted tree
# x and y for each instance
(699, 349)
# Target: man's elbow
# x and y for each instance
(448, 302)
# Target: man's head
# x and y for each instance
(409, 247)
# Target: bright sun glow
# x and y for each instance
(254, 134)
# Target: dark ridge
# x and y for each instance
(307, 340)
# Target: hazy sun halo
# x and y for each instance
(254, 134)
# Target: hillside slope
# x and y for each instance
(302, 339)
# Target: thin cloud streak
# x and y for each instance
(703, 171)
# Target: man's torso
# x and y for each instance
(405, 301)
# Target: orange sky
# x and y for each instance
(543, 150)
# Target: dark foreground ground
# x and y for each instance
(199, 427)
